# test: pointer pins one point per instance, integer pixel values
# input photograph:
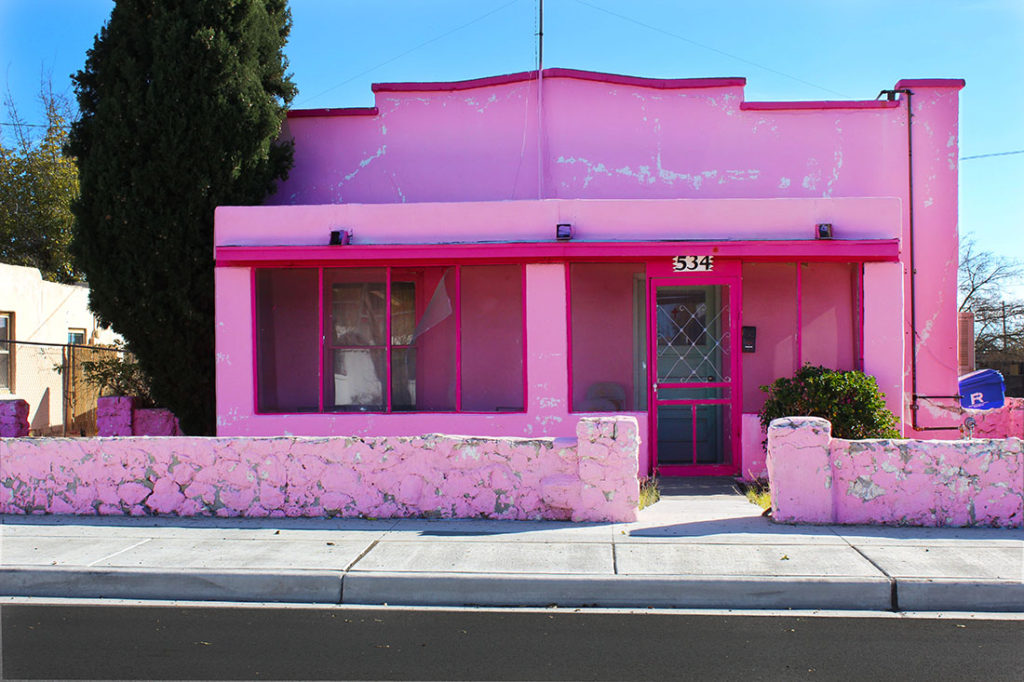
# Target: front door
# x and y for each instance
(693, 374)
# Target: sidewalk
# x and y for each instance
(707, 548)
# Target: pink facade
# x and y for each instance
(693, 215)
(588, 478)
(819, 479)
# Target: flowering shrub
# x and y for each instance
(850, 400)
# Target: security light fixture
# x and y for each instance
(824, 231)
(340, 237)
(563, 232)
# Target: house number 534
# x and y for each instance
(693, 263)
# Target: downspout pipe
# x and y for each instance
(915, 396)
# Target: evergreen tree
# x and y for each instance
(181, 106)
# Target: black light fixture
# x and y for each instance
(823, 231)
(563, 232)
(340, 237)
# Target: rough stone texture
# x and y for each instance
(13, 418)
(590, 478)
(977, 482)
(155, 422)
(114, 416)
(119, 416)
(1004, 422)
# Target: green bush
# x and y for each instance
(850, 400)
(119, 374)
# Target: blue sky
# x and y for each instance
(787, 50)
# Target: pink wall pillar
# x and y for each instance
(935, 105)
(114, 415)
(13, 418)
(799, 470)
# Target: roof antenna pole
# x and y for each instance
(540, 99)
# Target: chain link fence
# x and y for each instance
(50, 377)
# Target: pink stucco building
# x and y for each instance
(500, 257)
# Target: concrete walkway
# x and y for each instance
(701, 546)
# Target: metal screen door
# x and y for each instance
(692, 375)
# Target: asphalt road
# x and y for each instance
(209, 642)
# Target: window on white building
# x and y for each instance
(6, 352)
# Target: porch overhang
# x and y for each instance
(834, 250)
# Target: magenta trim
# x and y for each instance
(697, 470)
(824, 104)
(799, 315)
(693, 433)
(345, 111)
(255, 341)
(860, 318)
(526, 378)
(320, 372)
(734, 419)
(660, 83)
(458, 338)
(881, 250)
(568, 334)
(387, 339)
(931, 83)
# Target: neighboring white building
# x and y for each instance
(34, 311)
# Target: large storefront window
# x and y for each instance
(427, 339)
(609, 338)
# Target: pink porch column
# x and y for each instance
(884, 333)
(546, 350)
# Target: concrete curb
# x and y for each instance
(309, 587)
(955, 594)
(711, 592)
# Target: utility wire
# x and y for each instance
(985, 156)
(708, 47)
(410, 50)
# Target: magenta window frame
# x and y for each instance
(457, 304)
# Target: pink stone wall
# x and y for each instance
(119, 416)
(1004, 422)
(590, 478)
(815, 478)
(13, 418)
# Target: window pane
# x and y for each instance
(357, 380)
(5, 351)
(609, 339)
(354, 306)
(492, 338)
(287, 349)
(423, 339)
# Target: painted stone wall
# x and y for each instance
(815, 478)
(1004, 422)
(589, 478)
(13, 418)
(119, 416)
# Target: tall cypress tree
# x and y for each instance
(181, 106)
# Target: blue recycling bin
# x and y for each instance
(982, 390)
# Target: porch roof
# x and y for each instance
(844, 250)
